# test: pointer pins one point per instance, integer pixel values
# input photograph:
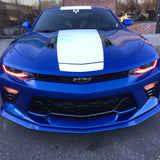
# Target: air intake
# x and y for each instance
(106, 41)
(52, 43)
(10, 95)
(151, 89)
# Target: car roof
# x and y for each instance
(73, 7)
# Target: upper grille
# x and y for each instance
(70, 79)
(81, 108)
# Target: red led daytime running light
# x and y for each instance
(11, 90)
(18, 75)
(149, 86)
(142, 71)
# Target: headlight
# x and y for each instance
(143, 69)
(22, 75)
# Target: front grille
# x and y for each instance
(92, 79)
(82, 108)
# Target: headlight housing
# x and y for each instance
(143, 69)
(22, 75)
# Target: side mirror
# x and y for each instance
(27, 26)
(127, 22)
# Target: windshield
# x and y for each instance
(51, 21)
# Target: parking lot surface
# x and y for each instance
(141, 142)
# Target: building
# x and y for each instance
(145, 13)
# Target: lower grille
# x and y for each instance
(81, 108)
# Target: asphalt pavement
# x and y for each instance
(141, 142)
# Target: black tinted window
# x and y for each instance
(84, 19)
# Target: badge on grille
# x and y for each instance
(82, 80)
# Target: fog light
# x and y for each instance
(10, 94)
(151, 89)
(11, 90)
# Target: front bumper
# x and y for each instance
(17, 111)
(86, 126)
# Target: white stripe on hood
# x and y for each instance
(80, 50)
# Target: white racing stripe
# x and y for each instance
(81, 68)
(75, 7)
(80, 51)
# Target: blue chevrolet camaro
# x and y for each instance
(79, 70)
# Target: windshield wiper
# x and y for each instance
(47, 31)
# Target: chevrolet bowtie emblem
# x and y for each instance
(82, 80)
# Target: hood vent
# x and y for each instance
(106, 41)
(52, 43)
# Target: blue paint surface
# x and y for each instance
(29, 53)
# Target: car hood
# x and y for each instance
(79, 51)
